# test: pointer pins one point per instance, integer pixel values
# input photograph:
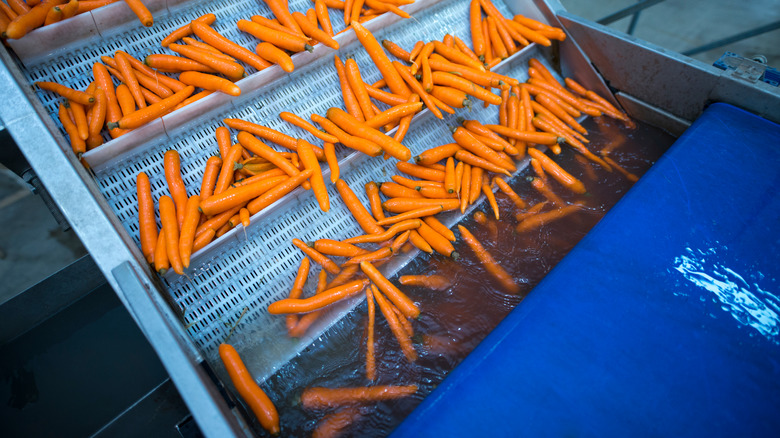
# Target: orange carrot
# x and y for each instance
(29, 19)
(178, 190)
(140, 11)
(359, 212)
(540, 219)
(188, 228)
(374, 256)
(161, 263)
(421, 171)
(238, 196)
(475, 22)
(504, 187)
(227, 67)
(399, 241)
(338, 248)
(370, 361)
(396, 50)
(281, 40)
(203, 239)
(439, 227)
(434, 155)
(277, 192)
(213, 38)
(438, 242)
(406, 121)
(557, 172)
(210, 173)
(536, 208)
(409, 79)
(319, 301)
(400, 205)
(374, 49)
(491, 199)
(76, 143)
(68, 93)
(209, 82)
(103, 81)
(348, 94)
(372, 191)
(356, 84)
(317, 257)
(147, 226)
(281, 11)
(467, 141)
(532, 137)
(273, 54)
(433, 281)
(489, 262)
(449, 176)
(401, 300)
(186, 30)
(465, 189)
(629, 176)
(297, 290)
(172, 63)
(457, 82)
(541, 186)
(387, 235)
(321, 9)
(309, 160)
(80, 119)
(258, 401)
(412, 214)
(171, 230)
(313, 31)
(360, 129)
(418, 242)
(216, 222)
(367, 147)
(457, 57)
(269, 134)
(317, 398)
(151, 112)
(129, 78)
(274, 24)
(395, 325)
(395, 190)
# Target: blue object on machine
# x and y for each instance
(663, 321)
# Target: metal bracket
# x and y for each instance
(745, 69)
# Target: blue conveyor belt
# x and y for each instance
(663, 321)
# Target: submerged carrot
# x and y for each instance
(400, 299)
(323, 398)
(433, 281)
(370, 360)
(557, 172)
(394, 322)
(335, 423)
(258, 401)
(489, 262)
(540, 219)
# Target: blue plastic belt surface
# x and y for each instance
(662, 321)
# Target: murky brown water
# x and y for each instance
(453, 322)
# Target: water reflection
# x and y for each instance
(747, 303)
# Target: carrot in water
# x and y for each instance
(258, 401)
(540, 219)
(400, 299)
(557, 172)
(394, 322)
(504, 187)
(487, 260)
(319, 301)
(433, 281)
(370, 360)
(335, 423)
(316, 398)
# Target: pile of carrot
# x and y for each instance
(401, 213)
(20, 17)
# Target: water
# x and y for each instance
(454, 321)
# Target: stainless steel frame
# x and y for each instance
(652, 84)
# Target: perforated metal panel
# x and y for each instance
(248, 269)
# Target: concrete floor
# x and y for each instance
(32, 245)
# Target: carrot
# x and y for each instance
(558, 111)
(439, 227)
(273, 54)
(203, 239)
(476, 183)
(53, 16)
(387, 235)
(216, 222)
(178, 190)
(269, 134)
(457, 57)
(310, 162)
(297, 290)
(457, 82)
(404, 304)
(280, 39)
(400, 205)
(374, 256)
(451, 96)
(399, 241)
(372, 191)
(188, 228)
(225, 177)
(395, 325)
(347, 92)
(277, 192)
(80, 119)
(91, 5)
(243, 214)
(338, 248)
(317, 398)
(525, 32)
(356, 84)
(209, 82)
(374, 49)
(465, 188)
(382, 7)
(103, 81)
(319, 301)
(151, 112)
(532, 137)
(313, 31)
(238, 196)
(225, 228)
(129, 78)
(370, 361)
(396, 50)
(436, 154)
(557, 172)
(172, 63)
(8, 11)
(213, 38)
(359, 212)
(469, 143)
(438, 242)
(433, 281)
(384, 96)
(421, 171)
(317, 257)
(541, 186)
(535, 87)
(511, 115)
(258, 401)
(367, 147)
(540, 219)
(418, 242)
(227, 67)
(489, 262)
(486, 135)
(259, 177)
(504, 187)
(506, 37)
(534, 209)
(76, 143)
(449, 176)
(360, 129)
(475, 23)
(160, 255)
(281, 11)
(146, 223)
(19, 6)
(28, 19)
(140, 11)
(276, 25)
(406, 121)
(427, 81)
(395, 190)
(394, 113)
(210, 173)
(186, 30)
(68, 93)
(321, 9)
(171, 230)
(491, 199)
(407, 77)
(417, 184)
(412, 214)
(629, 176)
(475, 161)
(576, 87)
(616, 113)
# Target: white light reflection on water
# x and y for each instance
(747, 303)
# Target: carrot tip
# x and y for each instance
(455, 255)
(112, 125)
(309, 48)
